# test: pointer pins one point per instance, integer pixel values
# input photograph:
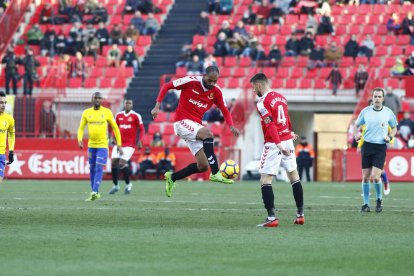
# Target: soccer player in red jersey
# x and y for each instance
(278, 148)
(198, 94)
(129, 123)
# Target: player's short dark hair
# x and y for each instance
(2, 94)
(97, 93)
(127, 99)
(379, 89)
(212, 69)
(259, 77)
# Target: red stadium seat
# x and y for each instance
(306, 84)
(325, 72)
(396, 50)
(161, 117)
(354, 29)
(153, 128)
(245, 62)
(181, 71)
(375, 62)
(288, 61)
(341, 30)
(390, 40)
(282, 72)
(389, 62)
(230, 61)
(320, 84)
(144, 40)
(266, 40)
(90, 82)
(302, 61)
(239, 72)
(216, 129)
(361, 60)
(272, 29)
(280, 41)
(368, 29)
(269, 71)
(75, 83)
(347, 62)
(363, 9)
(291, 19)
(291, 83)
(225, 72)
(105, 83)
(382, 30)
(168, 129)
(379, 9)
(381, 51)
(296, 73)
(111, 72)
(311, 73)
(403, 40)
(198, 39)
(128, 72)
(233, 83)
(120, 83)
(278, 83)
(285, 30)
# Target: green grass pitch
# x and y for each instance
(46, 228)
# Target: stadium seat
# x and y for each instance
(296, 73)
(146, 140)
(245, 62)
(144, 40)
(389, 62)
(382, 29)
(381, 50)
(285, 30)
(272, 29)
(291, 83)
(128, 72)
(168, 129)
(216, 129)
(90, 82)
(354, 29)
(230, 61)
(105, 83)
(311, 73)
(111, 72)
(375, 61)
(161, 117)
(340, 30)
(266, 40)
(362, 9)
(379, 9)
(390, 40)
(75, 83)
(288, 61)
(233, 83)
(302, 61)
(282, 72)
(361, 60)
(153, 128)
(268, 71)
(325, 72)
(281, 41)
(305, 83)
(291, 19)
(397, 50)
(368, 29)
(320, 84)
(225, 72)
(278, 83)
(181, 71)
(403, 40)
(239, 72)
(120, 83)
(346, 62)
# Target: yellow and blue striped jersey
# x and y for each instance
(7, 132)
(97, 121)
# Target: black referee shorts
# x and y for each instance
(373, 155)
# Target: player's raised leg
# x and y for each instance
(206, 136)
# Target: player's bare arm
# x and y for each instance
(120, 150)
(357, 133)
(155, 110)
(139, 144)
(80, 143)
(235, 131)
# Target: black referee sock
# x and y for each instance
(189, 170)
(208, 147)
(298, 195)
(127, 172)
(268, 199)
(114, 172)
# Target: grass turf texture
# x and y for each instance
(46, 228)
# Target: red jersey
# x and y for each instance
(195, 99)
(128, 124)
(274, 105)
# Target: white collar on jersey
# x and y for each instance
(202, 85)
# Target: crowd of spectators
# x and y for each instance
(150, 163)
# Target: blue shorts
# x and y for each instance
(2, 164)
(97, 156)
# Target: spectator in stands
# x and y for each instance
(240, 29)
(213, 6)
(210, 60)
(151, 25)
(165, 162)
(316, 57)
(92, 46)
(221, 47)
(325, 25)
(102, 35)
(47, 14)
(407, 25)
(275, 56)
(410, 65)
(146, 162)
(114, 56)
(60, 44)
(147, 7)
(100, 14)
(199, 51)
(1, 11)
(80, 67)
(75, 16)
(88, 30)
(312, 24)
(394, 24)
(410, 143)
(130, 6)
(203, 25)
(34, 35)
(66, 6)
(10, 62)
(333, 54)
(225, 28)
(47, 121)
(367, 47)
(276, 14)
(335, 77)
(284, 5)
(249, 17)
(195, 66)
(360, 79)
(66, 64)
(115, 36)
(237, 44)
(90, 6)
(185, 55)
(138, 22)
(157, 140)
(392, 101)
(170, 101)
(406, 127)
(225, 6)
(48, 46)
(76, 30)
(257, 54)
(398, 69)
(306, 44)
(263, 13)
(131, 59)
(132, 33)
(30, 64)
(352, 47)
(292, 46)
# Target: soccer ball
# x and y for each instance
(229, 169)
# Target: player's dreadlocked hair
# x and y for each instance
(259, 77)
(212, 69)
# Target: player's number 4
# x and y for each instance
(281, 118)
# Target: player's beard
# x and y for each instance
(96, 105)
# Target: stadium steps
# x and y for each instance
(179, 27)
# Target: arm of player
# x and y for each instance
(141, 134)
(164, 90)
(226, 114)
(391, 135)
(116, 132)
(81, 129)
(11, 140)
